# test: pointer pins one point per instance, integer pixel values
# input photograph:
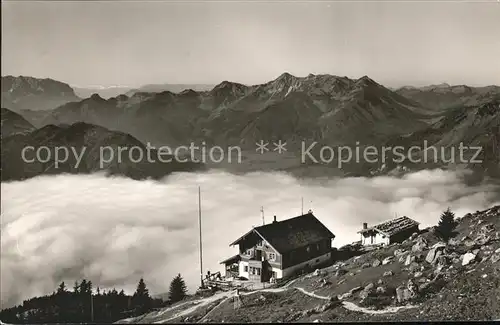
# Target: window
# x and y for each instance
(308, 249)
(254, 270)
(318, 247)
(271, 256)
(245, 268)
(275, 275)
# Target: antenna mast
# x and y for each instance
(199, 223)
(302, 206)
(262, 212)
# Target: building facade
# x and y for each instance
(389, 232)
(280, 249)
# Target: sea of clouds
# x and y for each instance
(113, 231)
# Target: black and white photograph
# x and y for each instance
(239, 161)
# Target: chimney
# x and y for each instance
(274, 221)
(365, 225)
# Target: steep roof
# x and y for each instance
(393, 226)
(232, 259)
(292, 233)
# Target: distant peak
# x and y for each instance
(365, 79)
(122, 97)
(285, 76)
(228, 85)
(96, 96)
(188, 92)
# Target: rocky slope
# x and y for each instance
(330, 110)
(19, 93)
(291, 108)
(13, 123)
(475, 126)
(422, 278)
(83, 148)
(445, 96)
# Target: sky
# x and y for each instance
(132, 43)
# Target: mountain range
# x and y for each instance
(20, 93)
(113, 91)
(329, 109)
(90, 148)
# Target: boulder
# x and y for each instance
(381, 290)
(344, 296)
(388, 260)
(495, 257)
(420, 245)
(324, 283)
(414, 267)
(376, 263)
(467, 241)
(409, 259)
(418, 274)
(365, 265)
(442, 260)
(468, 258)
(340, 272)
(364, 294)
(388, 273)
(487, 228)
(412, 287)
(434, 253)
(439, 245)
(398, 252)
(482, 240)
(369, 287)
(403, 294)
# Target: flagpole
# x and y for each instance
(199, 223)
(91, 306)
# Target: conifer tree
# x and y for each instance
(61, 288)
(141, 301)
(446, 225)
(177, 290)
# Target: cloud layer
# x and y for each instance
(114, 231)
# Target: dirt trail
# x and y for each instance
(225, 296)
(347, 305)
